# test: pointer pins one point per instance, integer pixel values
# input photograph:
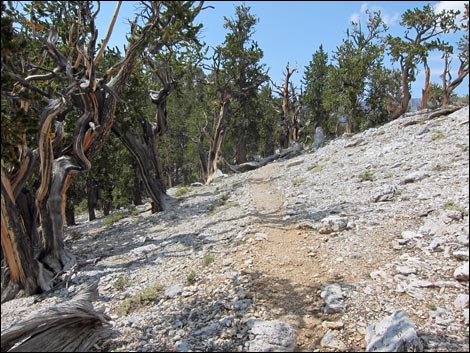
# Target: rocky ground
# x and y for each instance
(302, 254)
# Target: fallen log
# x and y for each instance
(73, 326)
(286, 154)
(433, 115)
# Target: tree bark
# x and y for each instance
(136, 187)
(240, 153)
(449, 87)
(92, 198)
(17, 248)
(406, 95)
(290, 124)
(72, 326)
(96, 101)
(148, 162)
(244, 167)
(427, 87)
(70, 214)
(215, 145)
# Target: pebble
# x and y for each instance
(461, 272)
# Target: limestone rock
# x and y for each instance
(461, 272)
(395, 333)
(271, 336)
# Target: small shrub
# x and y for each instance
(438, 135)
(451, 205)
(220, 202)
(145, 297)
(318, 168)
(191, 276)
(207, 259)
(133, 211)
(82, 206)
(182, 191)
(121, 282)
(367, 175)
(113, 218)
(74, 234)
(298, 182)
(230, 204)
(315, 168)
(462, 146)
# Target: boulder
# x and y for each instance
(395, 333)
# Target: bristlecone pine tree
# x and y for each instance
(235, 73)
(59, 84)
(427, 25)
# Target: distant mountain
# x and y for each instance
(415, 104)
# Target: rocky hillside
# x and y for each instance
(306, 254)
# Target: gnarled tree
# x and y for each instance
(290, 119)
(235, 73)
(410, 50)
(65, 76)
(449, 84)
(162, 60)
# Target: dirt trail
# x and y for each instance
(286, 279)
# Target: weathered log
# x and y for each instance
(436, 114)
(73, 326)
(252, 165)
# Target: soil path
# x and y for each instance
(286, 279)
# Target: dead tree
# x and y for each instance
(290, 120)
(72, 326)
(427, 85)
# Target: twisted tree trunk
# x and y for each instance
(406, 95)
(215, 142)
(427, 87)
(73, 326)
(149, 166)
(34, 269)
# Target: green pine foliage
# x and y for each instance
(315, 81)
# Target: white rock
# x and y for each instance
(395, 333)
(330, 340)
(461, 302)
(333, 325)
(405, 270)
(271, 336)
(261, 236)
(461, 272)
(460, 254)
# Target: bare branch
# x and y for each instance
(108, 35)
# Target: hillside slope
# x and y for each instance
(381, 218)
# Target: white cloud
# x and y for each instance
(364, 7)
(451, 5)
(388, 18)
(391, 19)
(355, 17)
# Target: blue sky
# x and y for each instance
(291, 31)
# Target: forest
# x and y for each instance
(86, 127)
